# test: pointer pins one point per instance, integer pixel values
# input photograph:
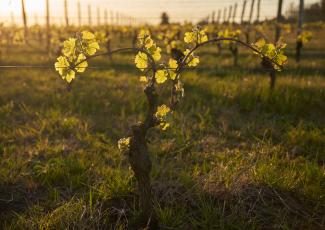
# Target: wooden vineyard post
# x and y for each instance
(48, 29)
(89, 15)
(235, 13)
(243, 12)
(248, 28)
(24, 20)
(229, 14)
(299, 31)
(106, 17)
(98, 16)
(278, 21)
(213, 17)
(79, 13)
(258, 11)
(219, 16)
(225, 15)
(66, 13)
(251, 12)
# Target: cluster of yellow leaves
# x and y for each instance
(101, 37)
(261, 28)
(89, 43)
(161, 115)
(124, 144)
(305, 37)
(229, 34)
(75, 52)
(141, 61)
(286, 27)
(193, 60)
(272, 52)
(169, 72)
(18, 38)
(196, 37)
(173, 65)
(146, 42)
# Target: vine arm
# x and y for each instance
(183, 63)
(150, 57)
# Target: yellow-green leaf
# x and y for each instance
(172, 64)
(161, 76)
(194, 62)
(69, 47)
(61, 65)
(143, 79)
(162, 111)
(81, 67)
(141, 61)
(88, 35)
(91, 48)
(69, 76)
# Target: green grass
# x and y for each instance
(236, 156)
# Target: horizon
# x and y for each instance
(143, 10)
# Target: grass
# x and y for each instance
(236, 156)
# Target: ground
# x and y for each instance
(237, 156)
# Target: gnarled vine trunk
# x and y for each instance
(140, 162)
(141, 165)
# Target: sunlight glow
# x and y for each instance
(147, 10)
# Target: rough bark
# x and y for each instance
(140, 161)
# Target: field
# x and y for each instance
(236, 156)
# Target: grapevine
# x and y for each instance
(78, 51)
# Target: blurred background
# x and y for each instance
(148, 11)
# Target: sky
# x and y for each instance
(143, 10)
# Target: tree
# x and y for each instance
(292, 12)
(164, 19)
(314, 12)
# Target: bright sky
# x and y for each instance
(146, 10)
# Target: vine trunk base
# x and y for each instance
(141, 165)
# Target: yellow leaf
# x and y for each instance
(88, 35)
(141, 61)
(83, 64)
(69, 47)
(156, 54)
(172, 74)
(143, 79)
(91, 48)
(194, 62)
(173, 64)
(202, 36)
(161, 76)
(124, 144)
(164, 126)
(162, 111)
(70, 76)
(189, 37)
(61, 65)
(148, 43)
